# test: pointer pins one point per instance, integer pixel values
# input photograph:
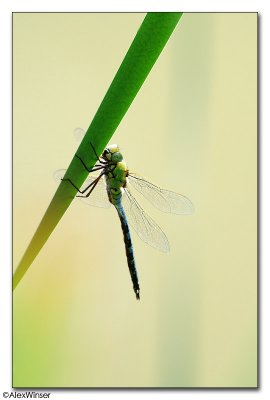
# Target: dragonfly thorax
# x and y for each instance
(112, 153)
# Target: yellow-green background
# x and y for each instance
(192, 128)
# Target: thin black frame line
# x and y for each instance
(258, 54)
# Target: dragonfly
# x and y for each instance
(112, 186)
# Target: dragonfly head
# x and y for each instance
(112, 153)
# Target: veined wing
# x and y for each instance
(79, 134)
(97, 198)
(164, 200)
(144, 226)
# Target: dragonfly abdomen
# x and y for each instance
(129, 250)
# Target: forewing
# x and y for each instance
(79, 134)
(144, 226)
(59, 174)
(98, 197)
(164, 200)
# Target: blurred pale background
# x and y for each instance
(192, 129)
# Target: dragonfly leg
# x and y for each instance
(73, 184)
(70, 181)
(88, 169)
(93, 184)
(98, 158)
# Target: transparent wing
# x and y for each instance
(97, 198)
(79, 134)
(164, 200)
(144, 226)
(59, 174)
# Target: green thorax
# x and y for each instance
(116, 179)
(116, 173)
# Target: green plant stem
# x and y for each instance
(138, 62)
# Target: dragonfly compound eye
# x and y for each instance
(116, 157)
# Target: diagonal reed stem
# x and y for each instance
(145, 49)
